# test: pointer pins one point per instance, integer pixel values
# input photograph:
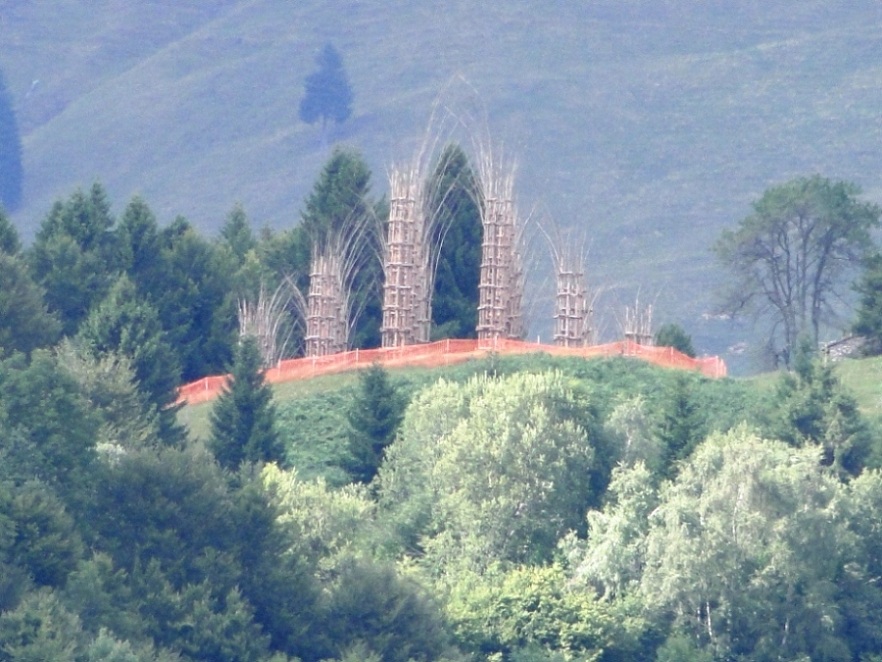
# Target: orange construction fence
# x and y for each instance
(447, 352)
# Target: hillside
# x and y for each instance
(652, 125)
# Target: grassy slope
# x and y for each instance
(650, 124)
(313, 420)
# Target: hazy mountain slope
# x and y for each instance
(652, 124)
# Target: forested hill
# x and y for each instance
(651, 124)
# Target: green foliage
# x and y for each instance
(868, 321)
(613, 558)
(197, 549)
(75, 256)
(49, 431)
(11, 170)
(328, 94)
(39, 629)
(25, 323)
(109, 385)
(243, 424)
(127, 325)
(373, 605)
(192, 295)
(453, 195)
(324, 523)
(673, 335)
(532, 608)
(527, 456)
(682, 428)
(811, 407)
(680, 648)
(10, 243)
(792, 256)
(315, 433)
(374, 417)
(46, 541)
(745, 549)
(236, 233)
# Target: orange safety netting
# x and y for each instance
(447, 352)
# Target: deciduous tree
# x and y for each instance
(792, 257)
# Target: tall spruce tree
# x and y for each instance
(243, 421)
(328, 94)
(453, 197)
(76, 256)
(11, 171)
(374, 417)
(682, 427)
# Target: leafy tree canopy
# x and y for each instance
(75, 257)
(792, 256)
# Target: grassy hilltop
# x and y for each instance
(652, 125)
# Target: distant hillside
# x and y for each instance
(651, 124)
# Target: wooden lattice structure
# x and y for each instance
(409, 259)
(638, 324)
(326, 328)
(332, 274)
(501, 286)
(267, 319)
(573, 305)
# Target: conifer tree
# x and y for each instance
(682, 427)
(129, 325)
(76, 256)
(374, 418)
(328, 94)
(10, 243)
(11, 172)
(243, 425)
(453, 197)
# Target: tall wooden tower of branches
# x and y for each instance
(329, 302)
(573, 310)
(401, 260)
(409, 260)
(326, 330)
(501, 287)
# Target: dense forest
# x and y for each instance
(529, 509)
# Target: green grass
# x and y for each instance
(863, 377)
